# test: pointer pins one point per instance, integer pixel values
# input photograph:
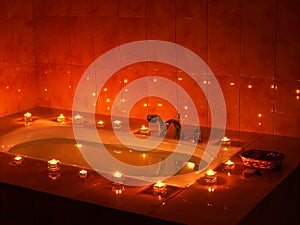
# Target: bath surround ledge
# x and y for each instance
(265, 197)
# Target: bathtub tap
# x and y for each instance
(163, 126)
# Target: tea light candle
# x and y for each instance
(117, 124)
(210, 176)
(229, 166)
(144, 130)
(61, 118)
(18, 160)
(159, 188)
(53, 164)
(118, 189)
(226, 141)
(83, 174)
(27, 117)
(118, 177)
(78, 119)
(100, 124)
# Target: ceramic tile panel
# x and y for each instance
(22, 8)
(257, 105)
(191, 8)
(105, 8)
(132, 29)
(132, 8)
(6, 10)
(157, 8)
(224, 38)
(161, 29)
(52, 7)
(192, 34)
(230, 86)
(258, 38)
(106, 34)
(287, 103)
(82, 41)
(8, 91)
(81, 8)
(52, 40)
(6, 38)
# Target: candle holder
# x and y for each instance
(53, 169)
(83, 174)
(144, 130)
(210, 176)
(27, 119)
(117, 124)
(100, 124)
(118, 178)
(159, 188)
(78, 120)
(61, 119)
(18, 160)
(229, 166)
(226, 141)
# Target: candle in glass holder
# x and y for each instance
(100, 124)
(18, 160)
(229, 166)
(118, 177)
(117, 124)
(27, 117)
(210, 176)
(118, 189)
(78, 119)
(226, 141)
(53, 169)
(159, 188)
(61, 118)
(144, 130)
(83, 174)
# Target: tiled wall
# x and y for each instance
(251, 46)
(17, 68)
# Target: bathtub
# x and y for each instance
(46, 139)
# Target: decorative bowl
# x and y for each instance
(262, 159)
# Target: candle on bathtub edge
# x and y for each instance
(118, 177)
(27, 117)
(159, 188)
(18, 160)
(61, 118)
(229, 166)
(226, 141)
(78, 119)
(83, 174)
(144, 130)
(210, 176)
(53, 169)
(100, 123)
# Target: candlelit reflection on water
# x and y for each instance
(68, 152)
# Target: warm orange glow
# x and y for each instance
(18, 160)
(125, 81)
(259, 124)
(7, 87)
(259, 115)
(45, 89)
(298, 91)
(180, 78)
(232, 83)
(226, 141)
(107, 100)
(118, 174)
(83, 174)
(159, 184)
(210, 172)
(105, 89)
(145, 105)
(61, 118)
(297, 97)
(160, 104)
(190, 165)
(144, 155)
(249, 86)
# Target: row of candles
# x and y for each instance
(159, 188)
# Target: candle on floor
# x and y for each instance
(83, 174)
(159, 188)
(61, 118)
(18, 160)
(27, 117)
(226, 141)
(210, 176)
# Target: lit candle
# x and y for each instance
(27, 117)
(61, 119)
(229, 166)
(118, 177)
(144, 130)
(118, 189)
(83, 174)
(226, 141)
(78, 119)
(53, 169)
(100, 124)
(159, 188)
(18, 160)
(117, 124)
(210, 176)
